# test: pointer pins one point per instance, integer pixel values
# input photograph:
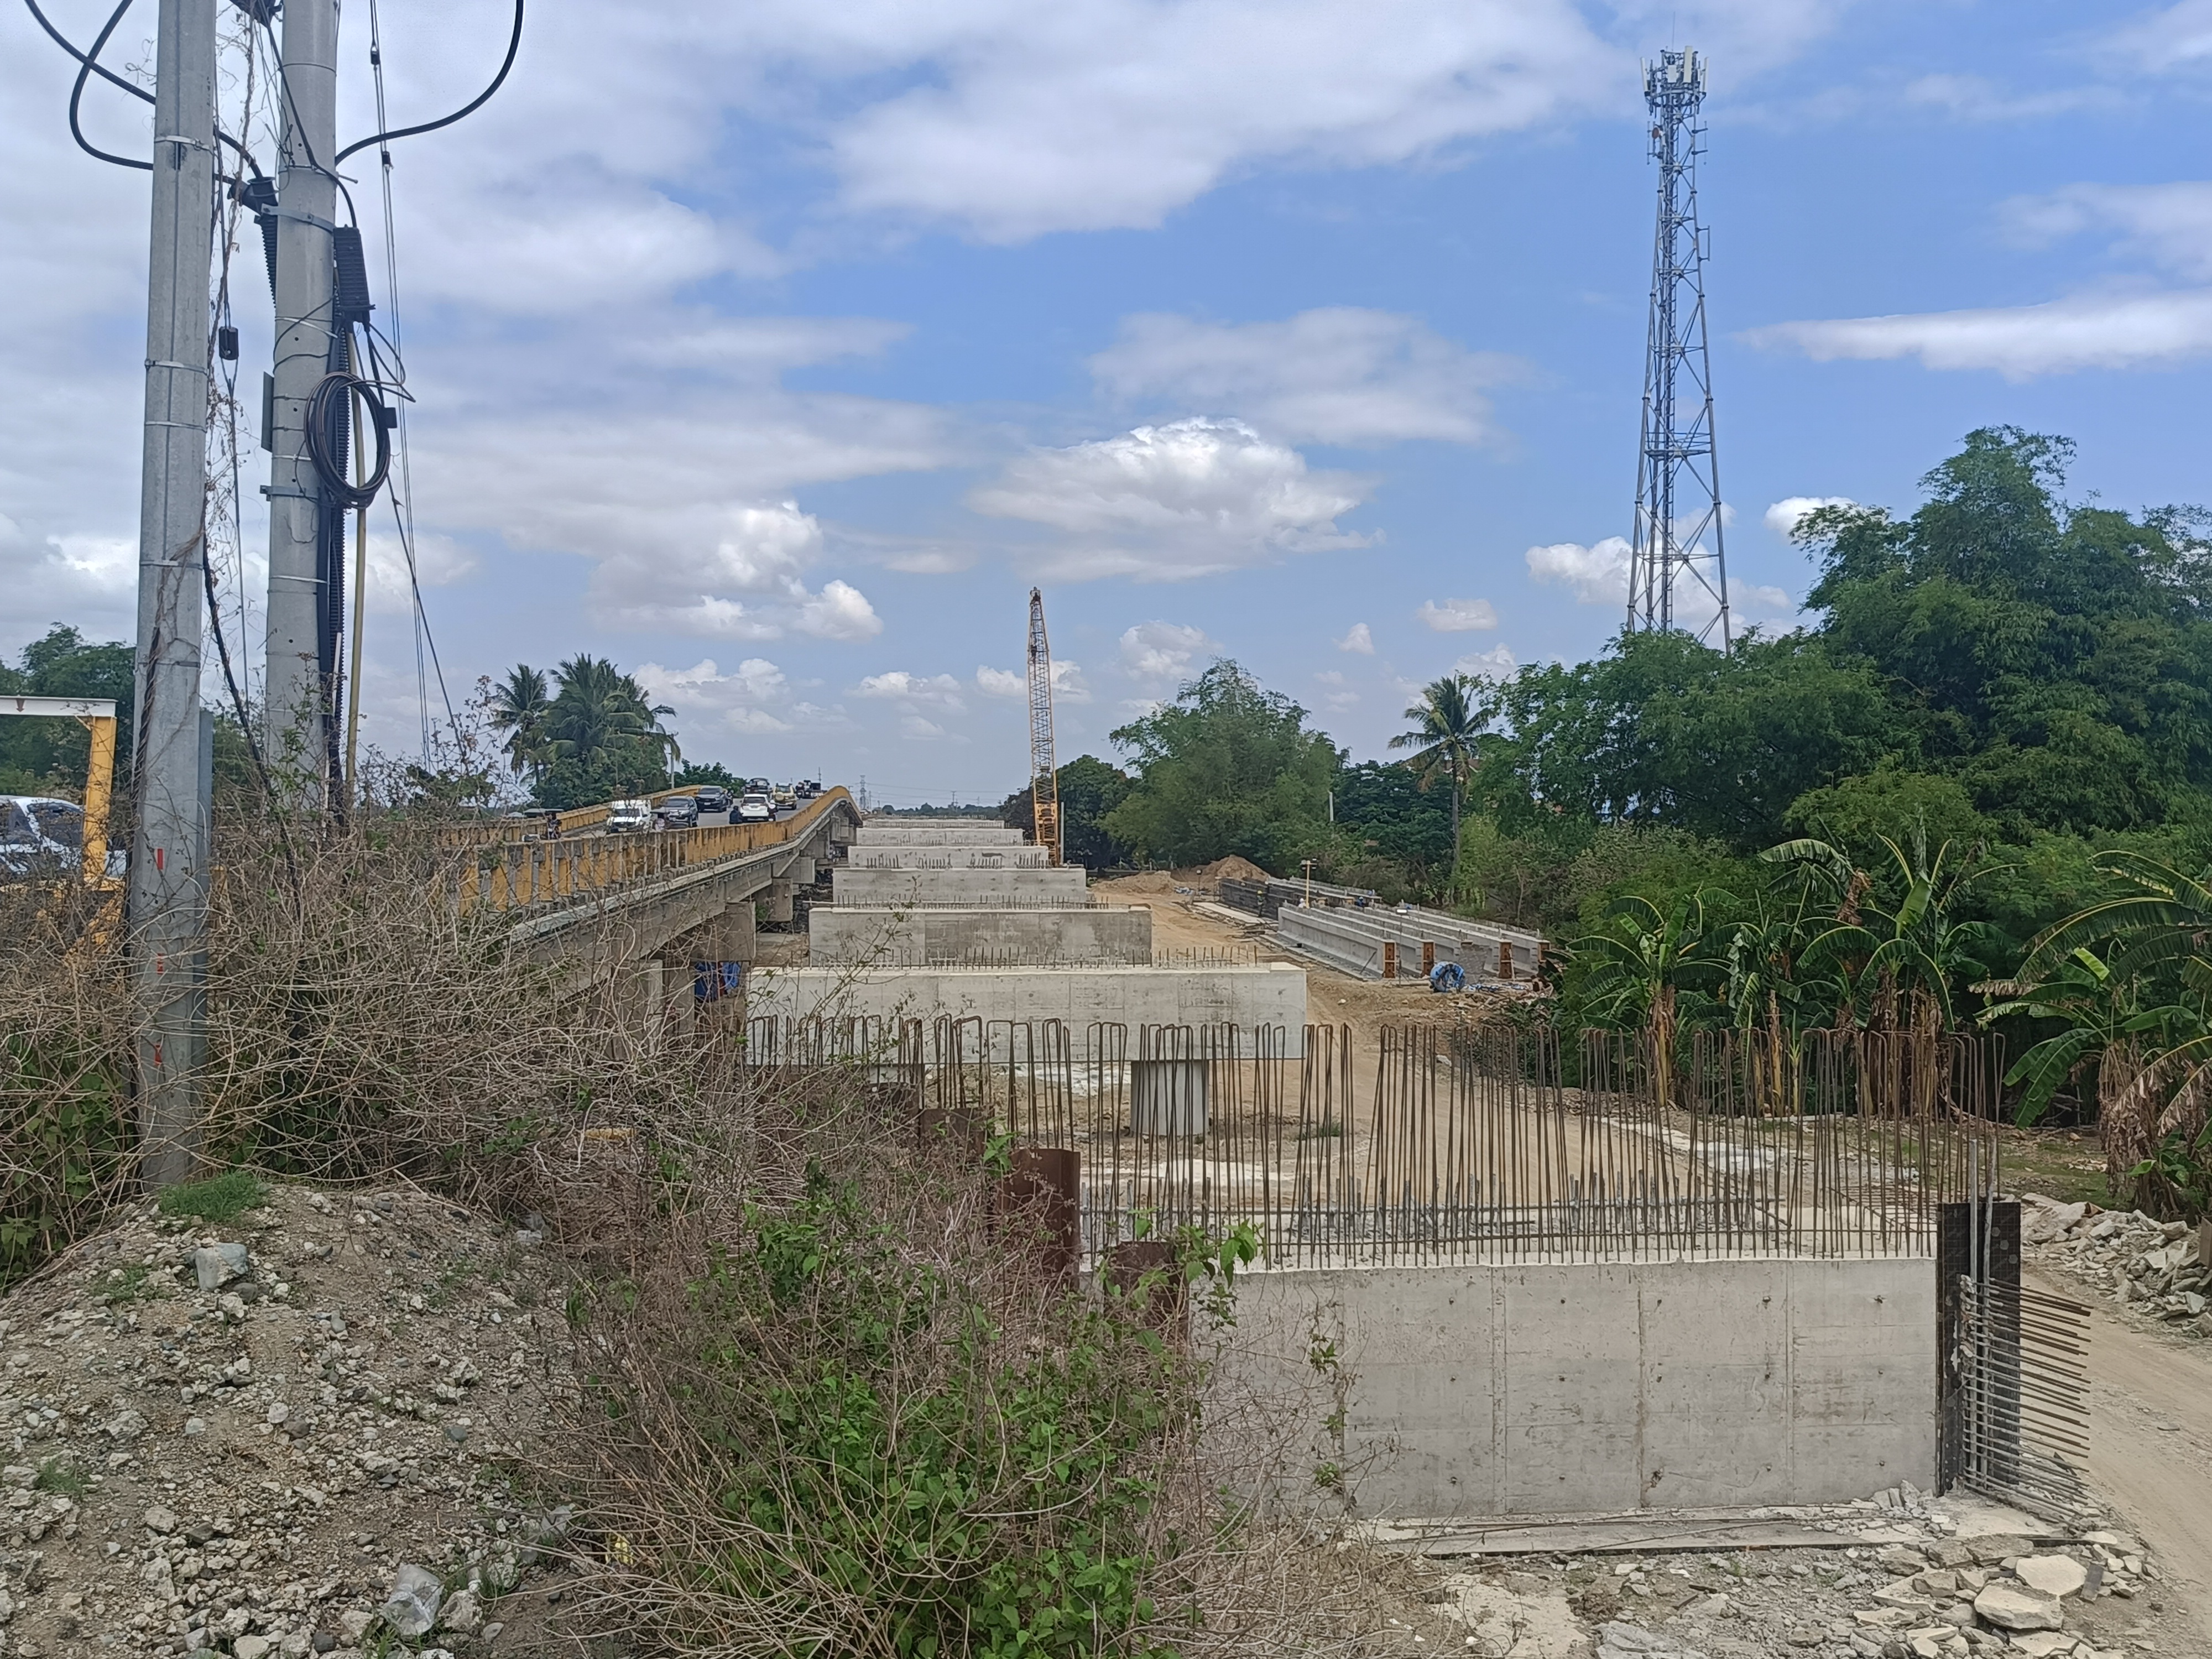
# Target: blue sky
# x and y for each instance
(775, 350)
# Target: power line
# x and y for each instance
(514, 44)
(90, 61)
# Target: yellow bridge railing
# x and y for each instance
(526, 875)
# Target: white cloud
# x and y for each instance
(920, 729)
(839, 612)
(1598, 574)
(1458, 616)
(1359, 640)
(755, 697)
(1748, 602)
(1496, 664)
(439, 561)
(1067, 683)
(1340, 375)
(2121, 330)
(1971, 98)
(1786, 514)
(1163, 650)
(2169, 225)
(913, 688)
(1169, 503)
(2177, 37)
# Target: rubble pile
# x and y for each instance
(310, 1429)
(2154, 1268)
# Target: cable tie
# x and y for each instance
(163, 362)
(273, 491)
(181, 426)
(190, 143)
(306, 219)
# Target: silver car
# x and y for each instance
(39, 834)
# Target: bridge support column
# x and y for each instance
(778, 900)
(736, 938)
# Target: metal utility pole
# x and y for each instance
(1044, 776)
(1677, 483)
(167, 895)
(304, 528)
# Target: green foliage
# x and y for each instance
(48, 756)
(1393, 834)
(1863, 815)
(2177, 1176)
(587, 734)
(1227, 767)
(695, 772)
(1447, 721)
(1089, 788)
(70, 1138)
(63, 1479)
(886, 1443)
(219, 1198)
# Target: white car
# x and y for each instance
(753, 809)
(625, 816)
(39, 834)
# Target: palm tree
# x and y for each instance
(1447, 721)
(600, 713)
(519, 704)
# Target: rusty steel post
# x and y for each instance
(1041, 1198)
(1389, 959)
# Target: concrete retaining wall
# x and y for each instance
(910, 938)
(964, 833)
(1593, 1388)
(1272, 993)
(951, 888)
(948, 858)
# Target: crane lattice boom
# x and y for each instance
(1044, 781)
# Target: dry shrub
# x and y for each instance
(834, 1407)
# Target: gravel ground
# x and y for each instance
(238, 1439)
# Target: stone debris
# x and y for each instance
(2152, 1268)
(239, 1442)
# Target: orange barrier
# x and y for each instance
(521, 875)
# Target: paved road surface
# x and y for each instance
(2150, 1446)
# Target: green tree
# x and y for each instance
(519, 707)
(1228, 767)
(1397, 836)
(1633, 971)
(48, 756)
(1089, 789)
(600, 736)
(1447, 720)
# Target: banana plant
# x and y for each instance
(1634, 971)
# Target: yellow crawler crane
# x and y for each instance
(1044, 779)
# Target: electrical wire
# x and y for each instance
(340, 383)
(76, 93)
(134, 90)
(514, 44)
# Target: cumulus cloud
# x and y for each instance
(755, 697)
(1458, 616)
(839, 612)
(1067, 683)
(1598, 574)
(1163, 650)
(1359, 640)
(1339, 375)
(913, 688)
(1496, 664)
(1786, 514)
(750, 585)
(1169, 503)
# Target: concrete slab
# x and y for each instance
(1607, 1388)
(903, 937)
(947, 858)
(1271, 994)
(973, 832)
(952, 888)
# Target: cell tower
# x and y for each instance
(1677, 483)
(1044, 776)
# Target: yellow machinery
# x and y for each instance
(1044, 776)
(97, 715)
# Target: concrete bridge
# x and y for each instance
(640, 909)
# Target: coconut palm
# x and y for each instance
(600, 711)
(1448, 719)
(519, 704)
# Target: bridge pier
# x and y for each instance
(734, 934)
(777, 897)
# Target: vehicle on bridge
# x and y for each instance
(784, 798)
(809, 789)
(626, 816)
(680, 811)
(712, 798)
(754, 808)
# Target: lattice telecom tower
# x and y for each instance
(1678, 482)
(1044, 776)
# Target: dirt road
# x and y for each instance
(2150, 1449)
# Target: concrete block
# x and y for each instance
(968, 832)
(1716, 1337)
(1569, 1438)
(950, 889)
(1271, 994)
(899, 937)
(948, 858)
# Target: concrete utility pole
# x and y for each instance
(297, 690)
(167, 896)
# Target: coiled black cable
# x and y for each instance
(326, 431)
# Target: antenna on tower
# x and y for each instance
(1678, 482)
(1044, 777)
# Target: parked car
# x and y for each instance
(626, 816)
(755, 809)
(712, 798)
(680, 811)
(39, 834)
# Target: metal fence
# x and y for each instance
(1419, 1144)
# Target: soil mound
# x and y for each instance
(241, 1435)
(1232, 868)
